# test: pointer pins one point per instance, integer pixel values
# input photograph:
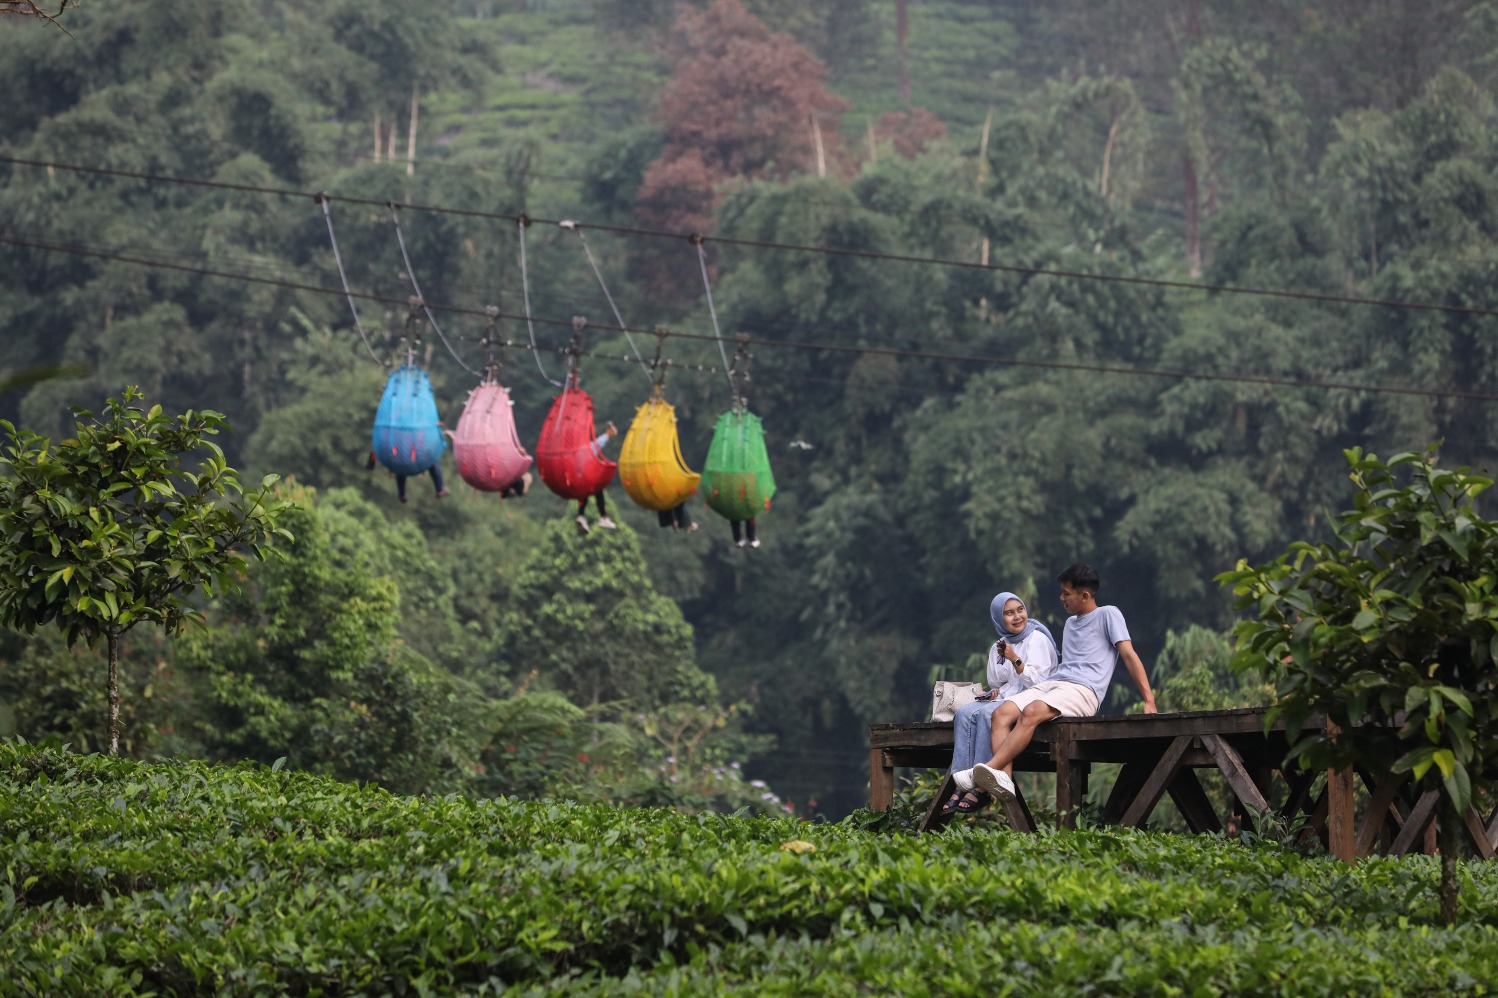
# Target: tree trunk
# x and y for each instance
(1193, 217)
(902, 33)
(114, 694)
(411, 134)
(1107, 155)
(983, 175)
(816, 140)
(1451, 843)
(377, 133)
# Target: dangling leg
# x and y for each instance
(436, 471)
(749, 529)
(400, 487)
(665, 518)
(737, 538)
(603, 511)
(582, 515)
(684, 518)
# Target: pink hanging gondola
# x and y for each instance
(486, 447)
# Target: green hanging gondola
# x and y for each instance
(736, 478)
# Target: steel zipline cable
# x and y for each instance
(1077, 275)
(931, 355)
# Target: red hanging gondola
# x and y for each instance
(565, 457)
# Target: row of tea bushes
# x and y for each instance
(128, 878)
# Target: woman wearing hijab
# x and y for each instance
(1024, 654)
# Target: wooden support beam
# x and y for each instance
(1297, 800)
(1071, 779)
(1231, 764)
(1415, 823)
(1378, 816)
(1161, 777)
(1341, 814)
(1194, 804)
(1020, 818)
(1472, 822)
(881, 781)
(935, 821)
(1131, 778)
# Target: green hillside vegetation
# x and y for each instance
(127, 878)
(1334, 149)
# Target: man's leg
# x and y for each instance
(1004, 717)
(1008, 747)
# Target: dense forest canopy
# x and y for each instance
(1038, 346)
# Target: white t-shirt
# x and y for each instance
(1090, 642)
(1039, 656)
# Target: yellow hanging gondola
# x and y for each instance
(651, 467)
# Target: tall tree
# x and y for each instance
(1387, 631)
(744, 102)
(584, 614)
(107, 529)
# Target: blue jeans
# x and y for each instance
(971, 730)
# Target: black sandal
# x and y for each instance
(950, 807)
(970, 801)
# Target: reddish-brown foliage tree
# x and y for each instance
(744, 102)
(909, 131)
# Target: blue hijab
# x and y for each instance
(996, 611)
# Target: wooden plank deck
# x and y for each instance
(1160, 754)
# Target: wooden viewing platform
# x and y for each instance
(1160, 753)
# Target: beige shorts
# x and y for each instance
(1072, 699)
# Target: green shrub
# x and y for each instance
(129, 878)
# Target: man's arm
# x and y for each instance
(1136, 672)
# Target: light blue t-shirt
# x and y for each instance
(1089, 649)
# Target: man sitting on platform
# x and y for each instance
(1094, 639)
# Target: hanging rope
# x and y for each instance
(491, 336)
(525, 285)
(659, 366)
(711, 310)
(411, 273)
(572, 226)
(740, 401)
(322, 199)
(411, 335)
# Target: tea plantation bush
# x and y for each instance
(125, 878)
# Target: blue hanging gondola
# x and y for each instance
(407, 436)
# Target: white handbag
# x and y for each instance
(947, 696)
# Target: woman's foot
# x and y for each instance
(973, 800)
(966, 802)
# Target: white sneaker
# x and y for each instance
(754, 543)
(995, 781)
(963, 778)
(738, 543)
(607, 524)
(582, 524)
